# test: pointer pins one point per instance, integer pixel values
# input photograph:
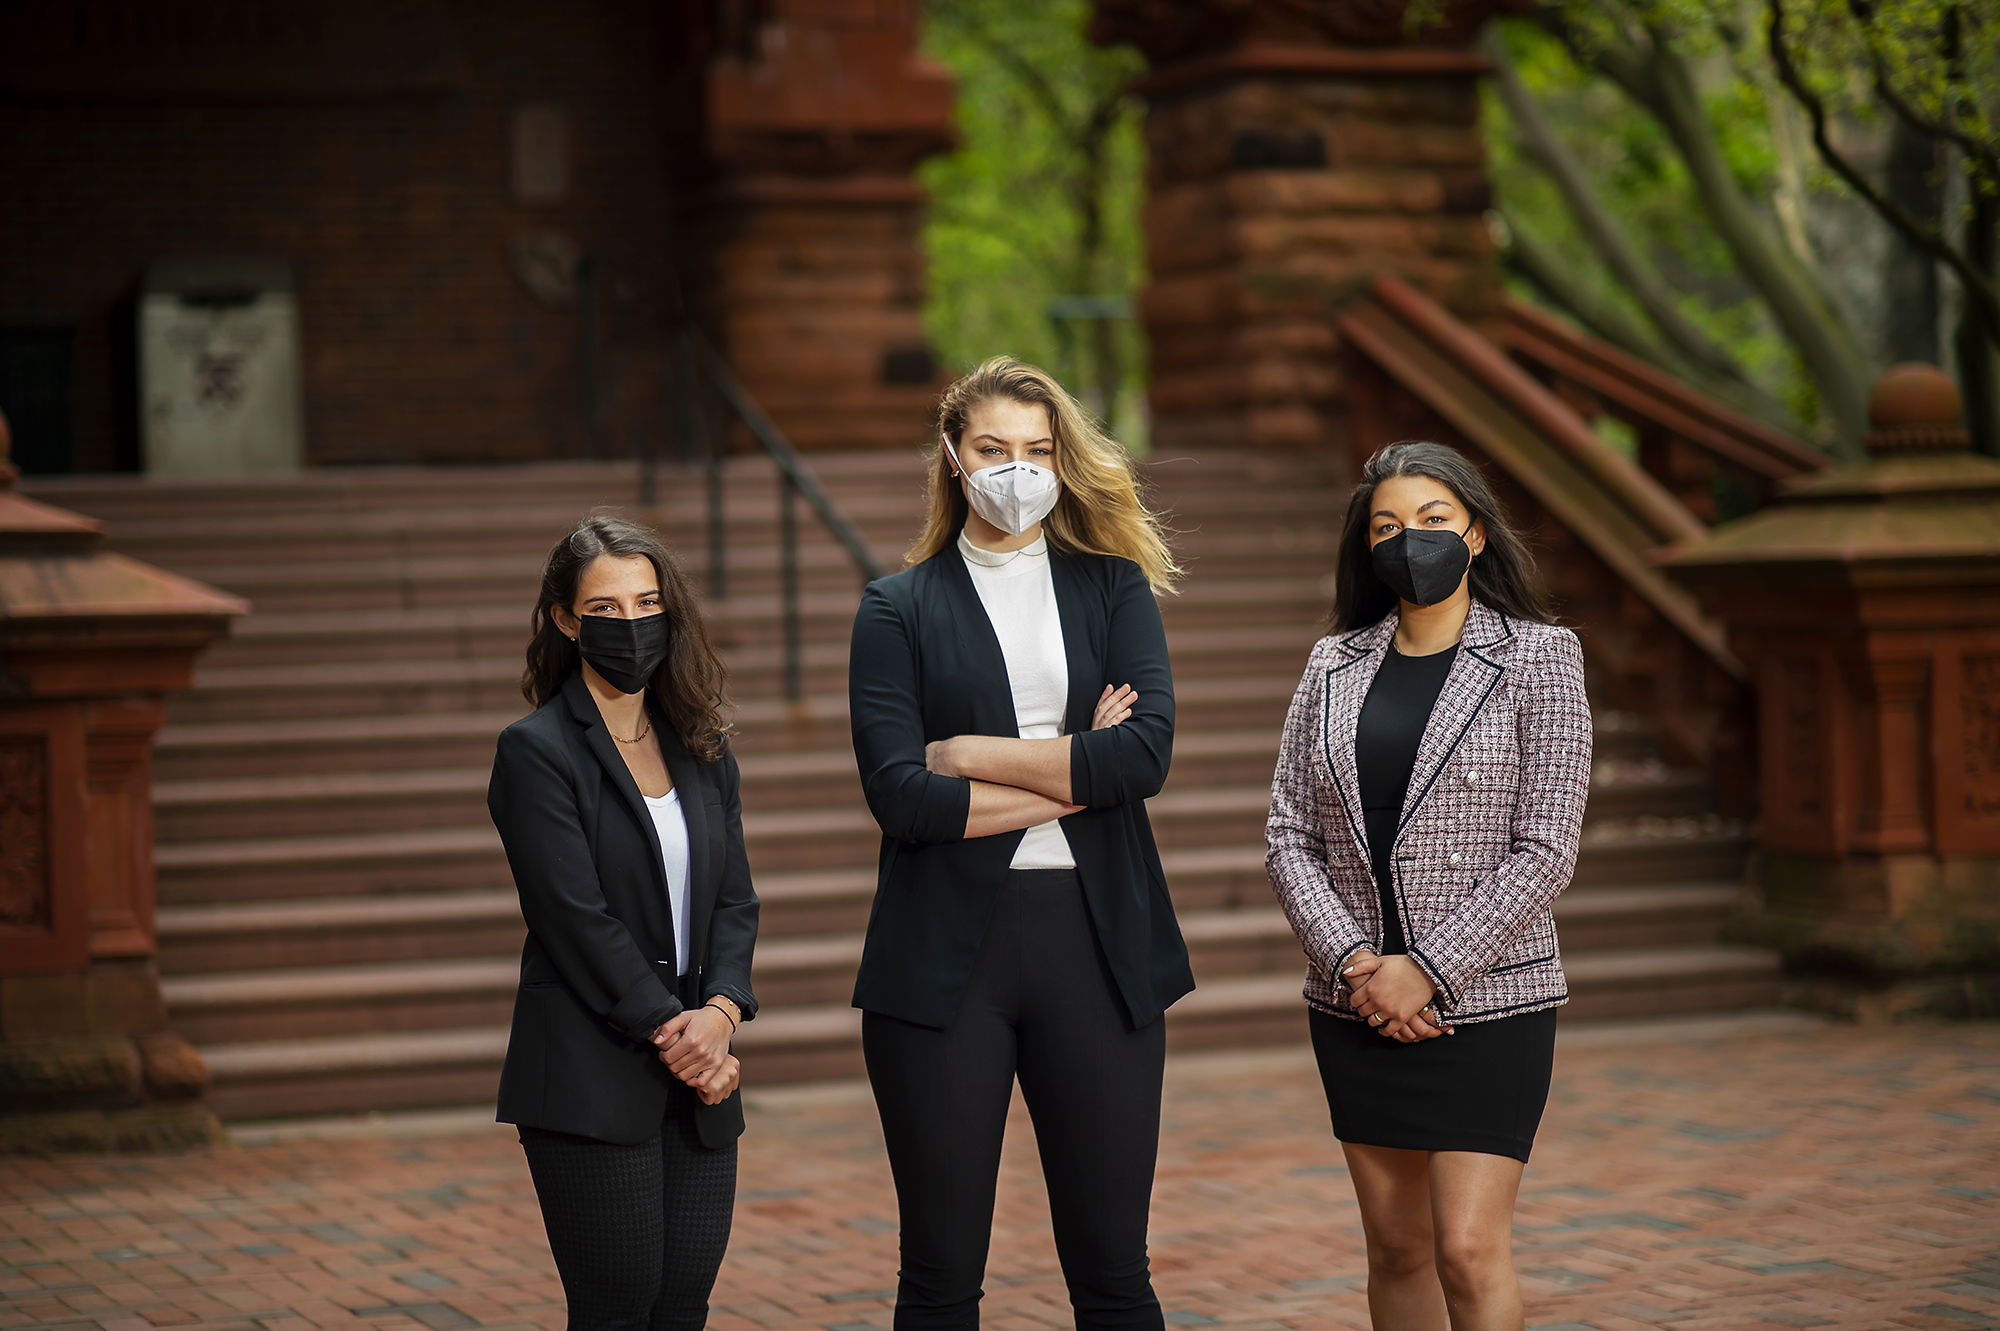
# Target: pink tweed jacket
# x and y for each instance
(1489, 828)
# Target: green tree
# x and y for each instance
(1697, 110)
(1041, 202)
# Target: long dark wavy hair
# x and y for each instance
(690, 687)
(1503, 575)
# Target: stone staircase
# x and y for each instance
(338, 931)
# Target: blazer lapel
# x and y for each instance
(1473, 676)
(981, 666)
(598, 736)
(1346, 685)
(1078, 649)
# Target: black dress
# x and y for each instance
(1482, 1089)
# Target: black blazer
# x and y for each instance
(925, 665)
(597, 971)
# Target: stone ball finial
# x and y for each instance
(1915, 407)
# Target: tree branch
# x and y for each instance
(1541, 143)
(1655, 77)
(1978, 286)
(1548, 272)
(1799, 303)
(1969, 144)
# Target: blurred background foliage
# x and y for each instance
(1643, 182)
(1033, 239)
(1657, 179)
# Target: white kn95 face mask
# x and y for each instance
(1013, 496)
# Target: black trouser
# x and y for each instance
(1040, 1003)
(638, 1232)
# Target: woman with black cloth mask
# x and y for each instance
(1426, 811)
(1013, 709)
(617, 801)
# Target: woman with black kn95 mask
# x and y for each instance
(617, 803)
(1427, 809)
(1013, 711)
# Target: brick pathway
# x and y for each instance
(1815, 1177)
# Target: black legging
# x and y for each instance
(1041, 1004)
(638, 1232)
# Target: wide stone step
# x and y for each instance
(204, 934)
(465, 858)
(325, 745)
(1649, 915)
(1219, 602)
(429, 798)
(1201, 653)
(415, 1069)
(1650, 849)
(339, 931)
(402, 498)
(1626, 789)
(432, 993)
(427, 990)
(358, 930)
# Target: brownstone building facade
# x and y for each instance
(490, 210)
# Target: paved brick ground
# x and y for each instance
(1813, 1177)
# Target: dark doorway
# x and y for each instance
(34, 393)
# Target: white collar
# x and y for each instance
(1037, 549)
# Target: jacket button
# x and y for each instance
(1334, 856)
(1454, 859)
(1472, 778)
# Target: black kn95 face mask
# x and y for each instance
(1422, 565)
(625, 651)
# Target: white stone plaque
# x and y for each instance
(219, 369)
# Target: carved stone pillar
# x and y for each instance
(90, 644)
(1296, 149)
(811, 224)
(1868, 598)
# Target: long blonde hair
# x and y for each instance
(1099, 511)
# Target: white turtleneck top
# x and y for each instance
(1020, 599)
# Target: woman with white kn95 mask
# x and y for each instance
(1013, 710)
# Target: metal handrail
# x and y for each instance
(795, 478)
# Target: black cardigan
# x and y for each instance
(926, 665)
(598, 969)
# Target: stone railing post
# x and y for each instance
(810, 221)
(1868, 601)
(90, 645)
(1294, 151)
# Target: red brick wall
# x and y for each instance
(419, 345)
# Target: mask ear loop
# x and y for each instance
(957, 467)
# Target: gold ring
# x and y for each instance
(1375, 1019)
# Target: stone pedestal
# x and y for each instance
(1868, 601)
(90, 644)
(812, 224)
(1295, 151)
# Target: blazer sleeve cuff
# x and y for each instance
(1447, 996)
(735, 994)
(640, 1012)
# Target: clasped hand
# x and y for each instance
(695, 1047)
(1397, 990)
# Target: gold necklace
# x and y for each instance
(635, 739)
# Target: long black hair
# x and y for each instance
(690, 686)
(1503, 575)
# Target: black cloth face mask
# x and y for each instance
(625, 651)
(1422, 565)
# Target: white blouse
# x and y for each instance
(672, 827)
(1020, 599)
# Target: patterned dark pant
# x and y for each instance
(638, 1232)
